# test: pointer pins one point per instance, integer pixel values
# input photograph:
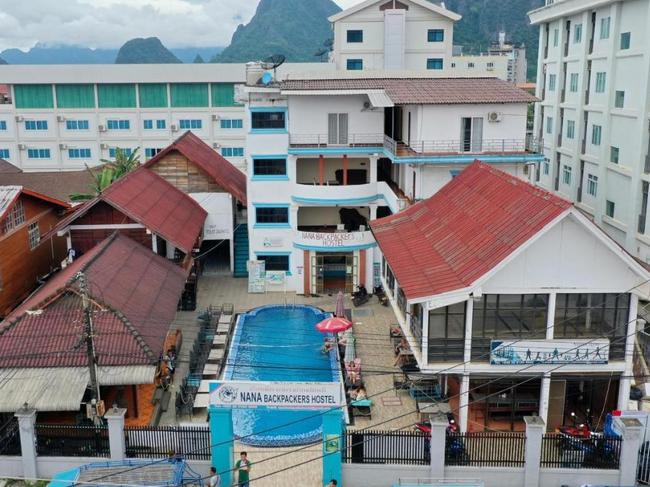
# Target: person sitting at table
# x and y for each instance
(359, 394)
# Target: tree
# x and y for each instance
(198, 59)
(110, 172)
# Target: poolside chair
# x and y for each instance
(354, 366)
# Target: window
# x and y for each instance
(596, 132)
(118, 124)
(551, 82)
(435, 35)
(187, 124)
(269, 166)
(153, 95)
(355, 36)
(434, 63)
(547, 166)
(490, 65)
(234, 123)
(604, 27)
(600, 82)
(161, 124)
(355, 64)
(79, 153)
(592, 184)
(77, 125)
(566, 175)
(148, 124)
(34, 235)
(4, 153)
(453, 65)
(38, 153)
(470, 65)
(591, 315)
(570, 129)
(223, 95)
(15, 217)
(613, 154)
(36, 125)
(556, 37)
(272, 215)
(510, 316)
(447, 332)
(268, 120)
(610, 207)
(3, 125)
(232, 151)
(619, 100)
(149, 152)
(549, 125)
(275, 262)
(625, 40)
(112, 152)
(573, 83)
(577, 34)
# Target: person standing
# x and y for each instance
(243, 467)
(214, 480)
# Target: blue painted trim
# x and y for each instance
(335, 201)
(279, 253)
(268, 109)
(276, 177)
(269, 131)
(271, 225)
(271, 205)
(272, 177)
(339, 248)
(270, 156)
(335, 150)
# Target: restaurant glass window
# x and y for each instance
(591, 315)
(447, 333)
(510, 316)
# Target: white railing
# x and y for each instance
(323, 140)
(394, 202)
(333, 239)
(499, 146)
(335, 192)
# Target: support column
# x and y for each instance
(626, 378)
(535, 428)
(332, 444)
(68, 240)
(437, 446)
(373, 211)
(26, 425)
(550, 316)
(345, 169)
(469, 316)
(631, 431)
(115, 419)
(306, 269)
(425, 334)
(544, 396)
(463, 404)
(373, 169)
(222, 441)
(362, 269)
(154, 243)
(321, 170)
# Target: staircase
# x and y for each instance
(241, 250)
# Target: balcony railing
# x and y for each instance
(441, 147)
(325, 140)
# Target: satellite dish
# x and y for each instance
(273, 61)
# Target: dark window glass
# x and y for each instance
(355, 36)
(591, 315)
(269, 167)
(275, 262)
(435, 35)
(272, 215)
(268, 120)
(510, 316)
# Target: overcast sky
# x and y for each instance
(110, 23)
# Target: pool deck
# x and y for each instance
(373, 346)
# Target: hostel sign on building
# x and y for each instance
(279, 395)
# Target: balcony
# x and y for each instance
(325, 141)
(335, 194)
(333, 240)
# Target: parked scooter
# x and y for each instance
(361, 296)
(455, 452)
(596, 451)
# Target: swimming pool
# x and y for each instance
(279, 343)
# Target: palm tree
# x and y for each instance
(110, 172)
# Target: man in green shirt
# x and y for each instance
(243, 467)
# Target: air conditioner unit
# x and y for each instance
(101, 128)
(103, 146)
(174, 127)
(60, 118)
(215, 117)
(216, 145)
(20, 118)
(494, 116)
(63, 146)
(22, 146)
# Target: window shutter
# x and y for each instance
(343, 128)
(332, 128)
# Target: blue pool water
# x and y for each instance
(278, 343)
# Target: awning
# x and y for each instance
(379, 99)
(61, 388)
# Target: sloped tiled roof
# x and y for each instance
(449, 241)
(423, 91)
(216, 166)
(133, 295)
(55, 184)
(7, 167)
(9, 194)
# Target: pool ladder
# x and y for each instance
(287, 304)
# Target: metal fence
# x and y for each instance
(393, 447)
(562, 451)
(164, 441)
(62, 440)
(10, 438)
(485, 449)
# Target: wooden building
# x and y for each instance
(25, 257)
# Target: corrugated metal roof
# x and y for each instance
(216, 166)
(450, 240)
(8, 194)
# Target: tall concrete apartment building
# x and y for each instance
(593, 79)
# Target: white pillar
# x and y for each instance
(544, 396)
(154, 243)
(68, 240)
(463, 406)
(631, 431)
(373, 169)
(469, 316)
(535, 428)
(550, 316)
(116, 440)
(26, 425)
(373, 211)
(437, 446)
(626, 378)
(425, 334)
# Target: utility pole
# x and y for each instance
(89, 336)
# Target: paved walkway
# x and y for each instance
(390, 410)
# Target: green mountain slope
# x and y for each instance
(295, 28)
(148, 51)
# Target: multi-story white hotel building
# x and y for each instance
(593, 80)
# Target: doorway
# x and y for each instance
(471, 134)
(215, 257)
(334, 272)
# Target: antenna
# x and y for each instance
(272, 62)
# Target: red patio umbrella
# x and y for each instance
(334, 325)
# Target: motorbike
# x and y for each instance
(596, 451)
(455, 452)
(361, 296)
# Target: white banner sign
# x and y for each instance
(219, 222)
(514, 352)
(278, 395)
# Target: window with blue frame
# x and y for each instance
(161, 124)
(149, 152)
(232, 151)
(187, 124)
(79, 153)
(434, 63)
(231, 123)
(36, 125)
(269, 167)
(147, 124)
(355, 36)
(4, 153)
(275, 262)
(435, 35)
(272, 215)
(268, 120)
(118, 124)
(355, 64)
(3, 125)
(77, 125)
(38, 153)
(112, 152)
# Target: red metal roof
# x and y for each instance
(10, 194)
(450, 240)
(151, 201)
(133, 294)
(217, 167)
